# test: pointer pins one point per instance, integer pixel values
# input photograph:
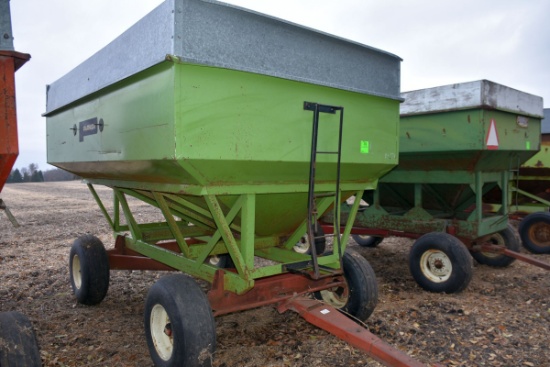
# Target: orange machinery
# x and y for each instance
(10, 61)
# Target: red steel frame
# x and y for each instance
(285, 291)
(329, 319)
(484, 247)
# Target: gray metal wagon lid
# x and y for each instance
(476, 94)
(212, 33)
(545, 126)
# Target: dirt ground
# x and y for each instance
(501, 319)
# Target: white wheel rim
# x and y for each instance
(214, 260)
(302, 247)
(495, 239)
(77, 272)
(164, 343)
(363, 236)
(436, 266)
(334, 299)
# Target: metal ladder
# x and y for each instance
(312, 195)
(512, 189)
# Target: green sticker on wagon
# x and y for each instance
(364, 146)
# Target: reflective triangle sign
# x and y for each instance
(492, 136)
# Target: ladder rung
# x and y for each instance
(302, 267)
(326, 152)
(310, 106)
(325, 236)
(324, 195)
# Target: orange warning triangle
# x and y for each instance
(492, 136)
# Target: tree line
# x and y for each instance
(33, 174)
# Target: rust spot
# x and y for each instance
(444, 132)
(539, 164)
(469, 120)
(408, 135)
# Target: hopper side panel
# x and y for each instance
(541, 160)
(440, 132)
(513, 131)
(476, 139)
(134, 134)
(236, 127)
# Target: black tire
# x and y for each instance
(303, 247)
(506, 238)
(361, 296)
(89, 270)
(440, 263)
(179, 326)
(367, 241)
(18, 343)
(534, 231)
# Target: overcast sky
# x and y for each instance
(441, 42)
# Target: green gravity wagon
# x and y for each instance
(457, 143)
(530, 195)
(241, 130)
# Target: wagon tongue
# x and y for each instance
(329, 319)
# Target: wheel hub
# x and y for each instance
(540, 234)
(436, 266)
(336, 297)
(168, 330)
(497, 240)
(302, 247)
